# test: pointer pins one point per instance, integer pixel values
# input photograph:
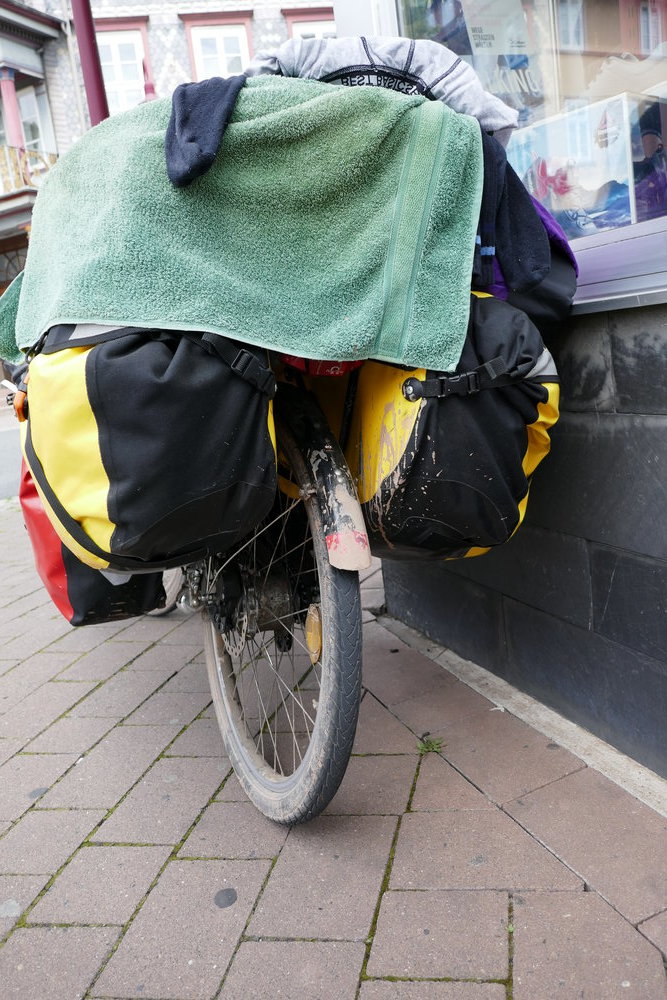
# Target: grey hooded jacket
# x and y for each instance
(401, 64)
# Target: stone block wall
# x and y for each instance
(573, 609)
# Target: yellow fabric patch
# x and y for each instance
(382, 424)
(59, 399)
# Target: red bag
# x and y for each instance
(84, 596)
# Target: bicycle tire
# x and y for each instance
(255, 745)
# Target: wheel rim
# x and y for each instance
(269, 675)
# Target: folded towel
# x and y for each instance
(335, 223)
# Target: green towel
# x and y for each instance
(335, 223)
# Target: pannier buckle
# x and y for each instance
(465, 384)
(248, 367)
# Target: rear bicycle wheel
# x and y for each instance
(283, 652)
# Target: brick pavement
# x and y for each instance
(132, 866)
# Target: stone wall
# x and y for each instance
(573, 609)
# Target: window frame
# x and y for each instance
(137, 23)
(219, 19)
(296, 15)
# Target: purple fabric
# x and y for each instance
(555, 233)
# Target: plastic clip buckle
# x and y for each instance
(248, 367)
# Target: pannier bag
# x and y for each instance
(84, 596)
(443, 460)
(149, 448)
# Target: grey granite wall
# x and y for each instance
(573, 609)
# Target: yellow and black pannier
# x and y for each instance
(149, 448)
(443, 460)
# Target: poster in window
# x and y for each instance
(493, 36)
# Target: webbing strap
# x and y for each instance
(491, 375)
(243, 363)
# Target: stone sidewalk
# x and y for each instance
(496, 866)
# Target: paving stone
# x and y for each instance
(431, 991)
(375, 785)
(473, 849)
(234, 830)
(393, 671)
(372, 597)
(293, 970)
(505, 757)
(107, 771)
(334, 867)
(124, 692)
(81, 640)
(189, 630)
(16, 893)
(655, 930)
(39, 635)
(459, 935)
(165, 803)
(41, 708)
(205, 905)
(103, 661)
(181, 707)
(231, 791)
(66, 958)
(100, 885)
(26, 778)
(201, 739)
(30, 674)
(378, 731)
(8, 748)
(69, 735)
(191, 677)
(440, 787)
(442, 707)
(575, 945)
(162, 655)
(43, 839)
(149, 627)
(617, 844)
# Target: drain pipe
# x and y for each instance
(91, 69)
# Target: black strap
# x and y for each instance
(491, 375)
(243, 363)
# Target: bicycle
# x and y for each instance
(282, 625)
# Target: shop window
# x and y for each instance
(310, 22)
(589, 82)
(122, 56)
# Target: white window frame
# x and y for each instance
(199, 32)
(123, 95)
(571, 28)
(313, 29)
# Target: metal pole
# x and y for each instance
(93, 81)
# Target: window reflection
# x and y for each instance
(589, 81)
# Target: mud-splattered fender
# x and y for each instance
(345, 533)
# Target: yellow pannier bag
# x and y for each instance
(149, 448)
(443, 460)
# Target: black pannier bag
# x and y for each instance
(443, 461)
(149, 448)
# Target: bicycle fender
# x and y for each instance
(345, 534)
